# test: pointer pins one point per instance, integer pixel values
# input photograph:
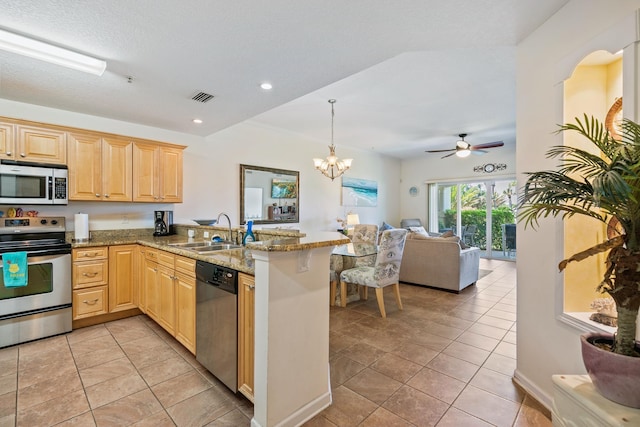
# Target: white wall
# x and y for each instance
(212, 176)
(545, 345)
(431, 167)
(212, 179)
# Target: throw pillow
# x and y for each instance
(418, 236)
(386, 226)
(447, 234)
(418, 230)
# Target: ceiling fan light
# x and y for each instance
(463, 153)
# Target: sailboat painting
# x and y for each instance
(359, 192)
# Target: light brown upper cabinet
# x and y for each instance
(100, 167)
(157, 173)
(32, 144)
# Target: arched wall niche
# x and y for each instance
(593, 78)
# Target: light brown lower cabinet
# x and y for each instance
(109, 279)
(90, 279)
(123, 286)
(170, 294)
(246, 333)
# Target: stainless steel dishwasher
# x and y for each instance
(217, 321)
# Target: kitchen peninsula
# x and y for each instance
(291, 370)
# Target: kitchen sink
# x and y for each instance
(191, 244)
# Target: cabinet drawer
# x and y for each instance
(90, 302)
(185, 265)
(166, 258)
(98, 252)
(90, 273)
(151, 254)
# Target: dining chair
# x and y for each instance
(335, 268)
(365, 233)
(385, 271)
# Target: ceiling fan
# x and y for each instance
(463, 148)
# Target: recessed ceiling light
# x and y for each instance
(266, 86)
(197, 121)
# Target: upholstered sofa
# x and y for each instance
(439, 262)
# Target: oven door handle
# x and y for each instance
(46, 252)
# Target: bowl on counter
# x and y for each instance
(205, 221)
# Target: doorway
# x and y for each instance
(482, 213)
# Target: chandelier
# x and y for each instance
(332, 167)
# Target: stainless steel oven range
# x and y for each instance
(42, 308)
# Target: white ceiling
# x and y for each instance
(408, 75)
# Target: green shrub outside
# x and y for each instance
(501, 215)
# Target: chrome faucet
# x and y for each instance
(228, 239)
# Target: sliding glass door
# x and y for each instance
(482, 213)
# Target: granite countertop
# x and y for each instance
(309, 241)
(239, 259)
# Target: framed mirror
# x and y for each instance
(268, 195)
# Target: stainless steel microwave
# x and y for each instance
(33, 184)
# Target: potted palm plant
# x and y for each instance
(604, 186)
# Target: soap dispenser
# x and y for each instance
(248, 235)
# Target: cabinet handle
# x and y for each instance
(251, 287)
(8, 153)
(155, 270)
(23, 155)
(92, 302)
(90, 254)
(106, 195)
(94, 274)
(97, 194)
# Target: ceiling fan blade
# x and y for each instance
(448, 155)
(440, 151)
(488, 145)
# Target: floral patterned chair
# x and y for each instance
(365, 233)
(385, 271)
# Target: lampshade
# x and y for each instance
(463, 153)
(353, 219)
(46, 52)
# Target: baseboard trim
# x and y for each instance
(533, 390)
(303, 414)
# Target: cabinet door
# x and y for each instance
(145, 172)
(167, 307)
(170, 175)
(85, 166)
(246, 334)
(186, 311)
(41, 145)
(122, 286)
(7, 131)
(152, 289)
(116, 169)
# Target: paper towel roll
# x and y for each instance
(81, 227)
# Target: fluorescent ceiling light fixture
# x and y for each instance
(266, 86)
(45, 52)
(197, 121)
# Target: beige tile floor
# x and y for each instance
(446, 360)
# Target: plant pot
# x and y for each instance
(616, 377)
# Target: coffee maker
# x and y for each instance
(163, 222)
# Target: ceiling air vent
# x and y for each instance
(202, 97)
